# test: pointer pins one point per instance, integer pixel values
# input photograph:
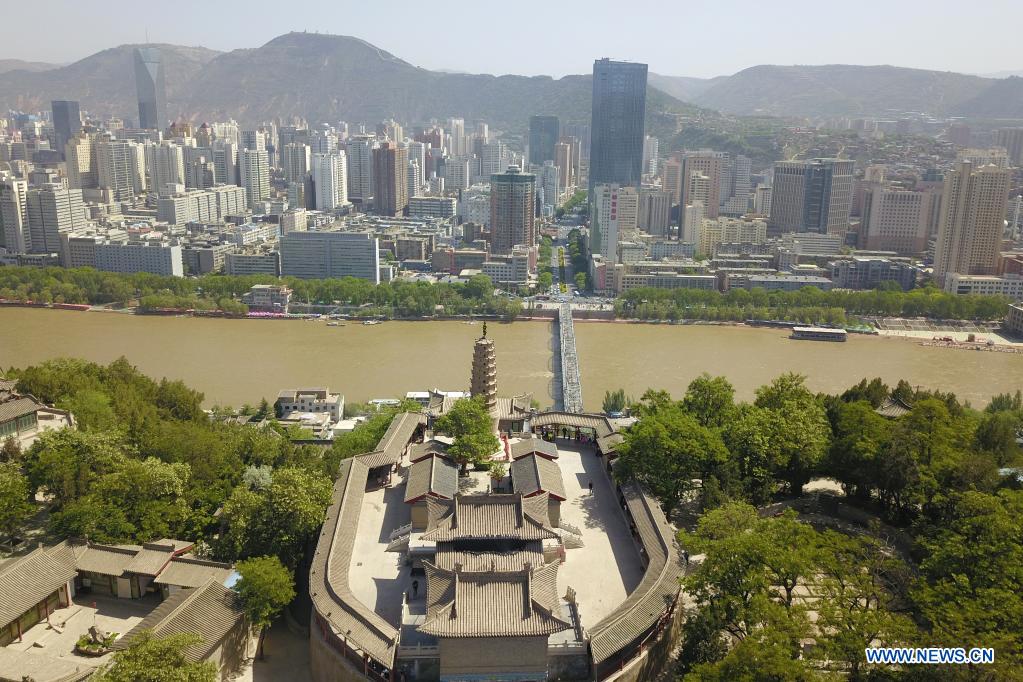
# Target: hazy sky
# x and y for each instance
(676, 37)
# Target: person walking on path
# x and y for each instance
(591, 487)
(685, 556)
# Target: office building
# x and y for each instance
(723, 230)
(896, 220)
(325, 255)
(390, 179)
(544, 133)
(156, 258)
(53, 210)
(495, 158)
(671, 179)
(121, 168)
(1011, 139)
(1010, 286)
(972, 220)
(867, 273)
(329, 181)
(82, 163)
(165, 164)
(414, 177)
(67, 122)
(432, 207)
(614, 213)
(650, 155)
(512, 210)
(655, 212)
(253, 139)
(359, 155)
(566, 158)
(254, 171)
(709, 165)
(617, 123)
(762, 200)
(1014, 319)
(225, 163)
(213, 205)
(549, 187)
(297, 161)
(14, 229)
(456, 174)
(812, 196)
(150, 87)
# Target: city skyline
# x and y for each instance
(75, 33)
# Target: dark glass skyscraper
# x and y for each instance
(67, 121)
(616, 128)
(544, 132)
(150, 88)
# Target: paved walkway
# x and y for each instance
(377, 577)
(285, 658)
(604, 571)
(109, 614)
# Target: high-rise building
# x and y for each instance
(566, 158)
(972, 220)
(329, 181)
(617, 120)
(67, 122)
(165, 164)
(14, 230)
(53, 210)
(895, 219)
(650, 154)
(254, 170)
(512, 210)
(390, 178)
(812, 196)
(150, 87)
(495, 158)
(456, 174)
(708, 164)
(762, 200)
(548, 182)
(121, 168)
(296, 161)
(324, 255)
(359, 153)
(615, 212)
(828, 196)
(1012, 140)
(253, 139)
(82, 170)
(456, 137)
(225, 162)
(655, 212)
(671, 179)
(414, 177)
(544, 133)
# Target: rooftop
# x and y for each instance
(519, 603)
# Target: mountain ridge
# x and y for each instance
(327, 78)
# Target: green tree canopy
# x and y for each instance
(667, 450)
(469, 423)
(15, 505)
(264, 589)
(151, 659)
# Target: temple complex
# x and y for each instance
(547, 569)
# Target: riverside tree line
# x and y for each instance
(476, 296)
